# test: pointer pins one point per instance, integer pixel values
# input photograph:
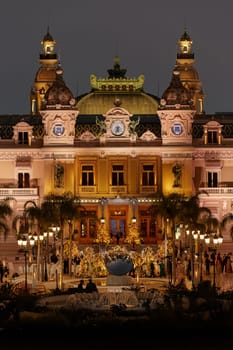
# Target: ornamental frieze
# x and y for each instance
(213, 155)
(17, 155)
(177, 155)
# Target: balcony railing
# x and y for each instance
(16, 192)
(217, 190)
(118, 189)
(87, 189)
(148, 189)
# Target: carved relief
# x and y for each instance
(148, 136)
(177, 172)
(59, 175)
(87, 136)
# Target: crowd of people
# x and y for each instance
(211, 263)
(223, 263)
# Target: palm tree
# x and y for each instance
(5, 213)
(227, 224)
(62, 209)
(193, 215)
(194, 219)
(170, 207)
(35, 217)
(175, 209)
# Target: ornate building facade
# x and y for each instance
(116, 145)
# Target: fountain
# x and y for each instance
(118, 264)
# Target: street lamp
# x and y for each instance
(194, 242)
(55, 229)
(24, 243)
(217, 240)
(189, 244)
(202, 237)
(199, 239)
(45, 239)
(38, 238)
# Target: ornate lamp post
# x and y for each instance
(217, 240)
(202, 237)
(24, 244)
(38, 238)
(190, 247)
(45, 240)
(199, 239)
(55, 230)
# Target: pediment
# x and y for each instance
(148, 136)
(87, 136)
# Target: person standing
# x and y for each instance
(207, 264)
(1, 271)
(219, 263)
(80, 288)
(152, 269)
(91, 287)
(53, 266)
(228, 265)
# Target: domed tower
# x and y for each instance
(46, 74)
(176, 112)
(188, 74)
(59, 112)
(117, 85)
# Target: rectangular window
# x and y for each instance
(148, 175)
(88, 224)
(117, 175)
(147, 224)
(23, 180)
(212, 137)
(23, 138)
(87, 175)
(26, 180)
(20, 180)
(212, 179)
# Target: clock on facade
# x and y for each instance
(58, 129)
(177, 128)
(117, 127)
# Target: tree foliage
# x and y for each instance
(5, 213)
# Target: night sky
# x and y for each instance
(89, 33)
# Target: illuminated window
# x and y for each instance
(87, 175)
(48, 49)
(148, 175)
(212, 133)
(117, 175)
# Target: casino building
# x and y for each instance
(116, 146)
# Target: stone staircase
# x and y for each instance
(10, 254)
(9, 247)
(226, 247)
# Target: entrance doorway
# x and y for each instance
(117, 225)
(117, 229)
